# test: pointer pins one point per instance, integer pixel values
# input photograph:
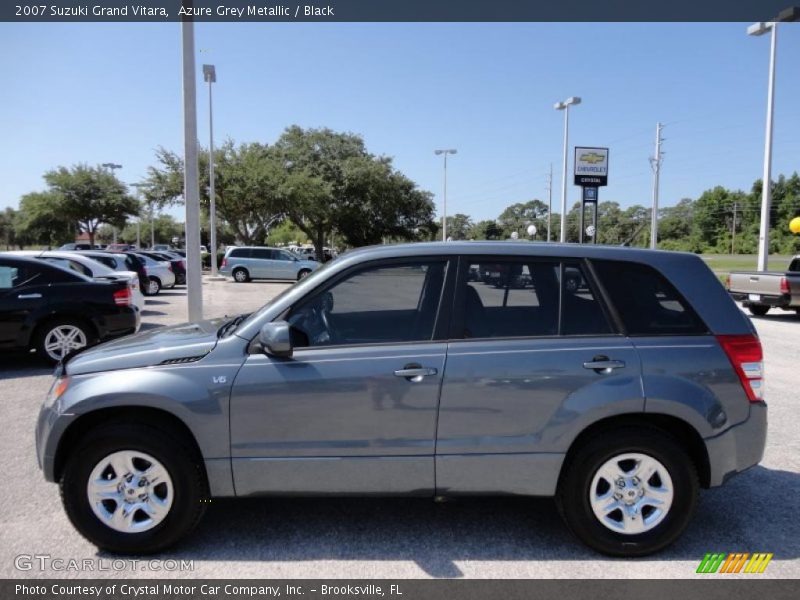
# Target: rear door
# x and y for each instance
(262, 263)
(534, 357)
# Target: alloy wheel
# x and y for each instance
(63, 339)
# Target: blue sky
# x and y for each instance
(111, 92)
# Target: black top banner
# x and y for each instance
(390, 10)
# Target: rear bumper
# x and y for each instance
(781, 301)
(739, 447)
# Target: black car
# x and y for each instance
(178, 264)
(55, 312)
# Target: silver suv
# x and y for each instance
(617, 380)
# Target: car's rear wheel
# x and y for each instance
(628, 492)
(59, 337)
(240, 275)
(303, 274)
(758, 310)
(133, 489)
(153, 286)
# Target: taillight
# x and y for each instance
(182, 264)
(785, 286)
(224, 263)
(123, 297)
(169, 267)
(747, 358)
(728, 281)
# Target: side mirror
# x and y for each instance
(275, 339)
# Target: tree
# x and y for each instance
(518, 216)
(485, 230)
(8, 229)
(165, 227)
(90, 196)
(332, 182)
(41, 219)
(459, 226)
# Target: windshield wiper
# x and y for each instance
(230, 326)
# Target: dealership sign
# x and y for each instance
(591, 166)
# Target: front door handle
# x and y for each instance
(603, 364)
(415, 372)
(29, 296)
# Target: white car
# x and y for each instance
(159, 274)
(85, 265)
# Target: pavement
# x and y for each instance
(395, 538)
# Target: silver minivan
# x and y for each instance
(245, 263)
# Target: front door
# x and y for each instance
(354, 409)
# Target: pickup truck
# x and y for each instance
(761, 290)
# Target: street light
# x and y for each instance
(572, 100)
(210, 76)
(758, 29)
(445, 152)
(112, 167)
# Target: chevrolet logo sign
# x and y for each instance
(592, 158)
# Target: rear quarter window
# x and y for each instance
(646, 302)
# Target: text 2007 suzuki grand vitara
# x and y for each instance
(617, 380)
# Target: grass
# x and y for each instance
(722, 264)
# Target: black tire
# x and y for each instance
(43, 330)
(572, 497)
(182, 463)
(153, 286)
(240, 275)
(758, 310)
(303, 273)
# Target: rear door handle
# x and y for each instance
(415, 373)
(602, 364)
(29, 296)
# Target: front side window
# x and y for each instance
(646, 302)
(529, 298)
(283, 255)
(383, 304)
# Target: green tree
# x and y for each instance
(332, 182)
(518, 216)
(41, 219)
(8, 227)
(90, 196)
(164, 226)
(459, 226)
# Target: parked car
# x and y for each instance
(177, 262)
(119, 247)
(759, 290)
(162, 248)
(390, 372)
(244, 263)
(89, 267)
(159, 274)
(119, 261)
(78, 246)
(56, 312)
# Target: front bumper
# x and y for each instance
(739, 447)
(50, 427)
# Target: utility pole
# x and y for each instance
(191, 185)
(655, 164)
(549, 200)
(733, 229)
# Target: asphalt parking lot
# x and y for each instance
(402, 538)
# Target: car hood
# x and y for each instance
(148, 348)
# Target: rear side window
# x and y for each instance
(105, 260)
(512, 298)
(646, 302)
(262, 253)
(240, 253)
(795, 265)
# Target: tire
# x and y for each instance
(153, 286)
(184, 485)
(69, 334)
(759, 310)
(576, 491)
(240, 275)
(303, 273)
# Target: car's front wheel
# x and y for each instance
(628, 492)
(133, 489)
(303, 274)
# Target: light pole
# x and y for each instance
(766, 192)
(138, 187)
(445, 152)
(191, 186)
(112, 167)
(210, 76)
(572, 100)
(757, 29)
